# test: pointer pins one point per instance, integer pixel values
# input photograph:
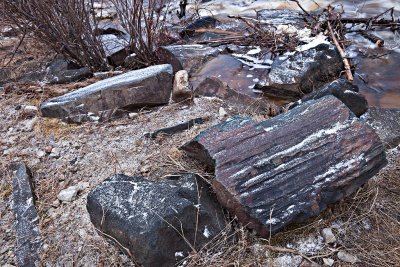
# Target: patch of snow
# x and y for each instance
(317, 40)
(206, 232)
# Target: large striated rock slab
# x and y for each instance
(29, 240)
(291, 167)
(188, 57)
(157, 223)
(298, 74)
(145, 87)
(342, 89)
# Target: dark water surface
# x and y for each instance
(377, 69)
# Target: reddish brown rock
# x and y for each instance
(291, 167)
(213, 86)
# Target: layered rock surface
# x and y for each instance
(291, 167)
(157, 223)
(145, 87)
(29, 240)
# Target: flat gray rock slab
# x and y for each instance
(156, 223)
(144, 87)
(29, 240)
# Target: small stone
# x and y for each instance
(328, 236)
(328, 261)
(56, 203)
(222, 113)
(181, 90)
(30, 109)
(55, 153)
(40, 153)
(133, 115)
(347, 257)
(69, 194)
(48, 149)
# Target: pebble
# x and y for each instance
(133, 115)
(222, 113)
(40, 153)
(55, 153)
(328, 236)
(68, 194)
(30, 109)
(48, 149)
(347, 257)
(328, 261)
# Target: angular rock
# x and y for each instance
(115, 48)
(176, 128)
(155, 221)
(290, 167)
(145, 87)
(181, 90)
(328, 235)
(213, 86)
(345, 91)
(347, 257)
(188, 57)
(202, 23)
(68, 194)
(386, 123)
(29, 240)
(301, 73)
(62, 71)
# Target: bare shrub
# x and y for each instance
(145, 22)
(66, 26)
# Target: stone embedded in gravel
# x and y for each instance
(222, 113)
(328, 236)
(347, 257)
(386, 122)
(328, 261)
(144, 87)
(155, 221)
(289, 168)
(28, 236)
(302, 72)
(68, 194)
(345, 91)
(181, 90)
(188, 57)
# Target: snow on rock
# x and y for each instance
(289, 168)
(156, 221)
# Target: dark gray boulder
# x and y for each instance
(29, 240)
(386, 122)
(293, 76)
(144, 87)
(157, 223)
(342, 89)
(62, 71)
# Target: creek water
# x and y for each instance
(377, 69)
